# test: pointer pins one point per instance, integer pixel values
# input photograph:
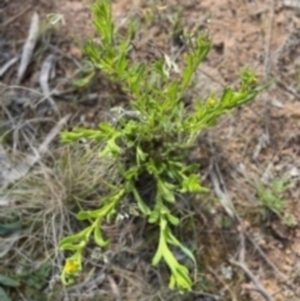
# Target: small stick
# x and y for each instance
(28, 47)
(242, 265)
(7, 65)
(44, 78)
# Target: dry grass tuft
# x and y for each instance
(46, 200)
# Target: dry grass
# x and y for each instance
(46, 199)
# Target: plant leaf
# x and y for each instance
(6, 281)
(10, 228)
(142, 206)
(98, 236)
(174, 241)
(75, 238)
(3, 295)
(173, 219)
(167, 193)
(154, 216)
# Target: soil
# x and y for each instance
(258, 143)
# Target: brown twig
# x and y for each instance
(242, 265)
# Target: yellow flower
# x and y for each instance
(72, 266)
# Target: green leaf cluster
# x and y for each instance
(152, 138)
(272, 198)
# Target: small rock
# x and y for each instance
(294, 172)
(278, 104)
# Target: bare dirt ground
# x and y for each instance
(256, 145)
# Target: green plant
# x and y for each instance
(9, 283)
(152, 138)
(272, 198)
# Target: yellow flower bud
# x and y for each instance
(211, 102)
